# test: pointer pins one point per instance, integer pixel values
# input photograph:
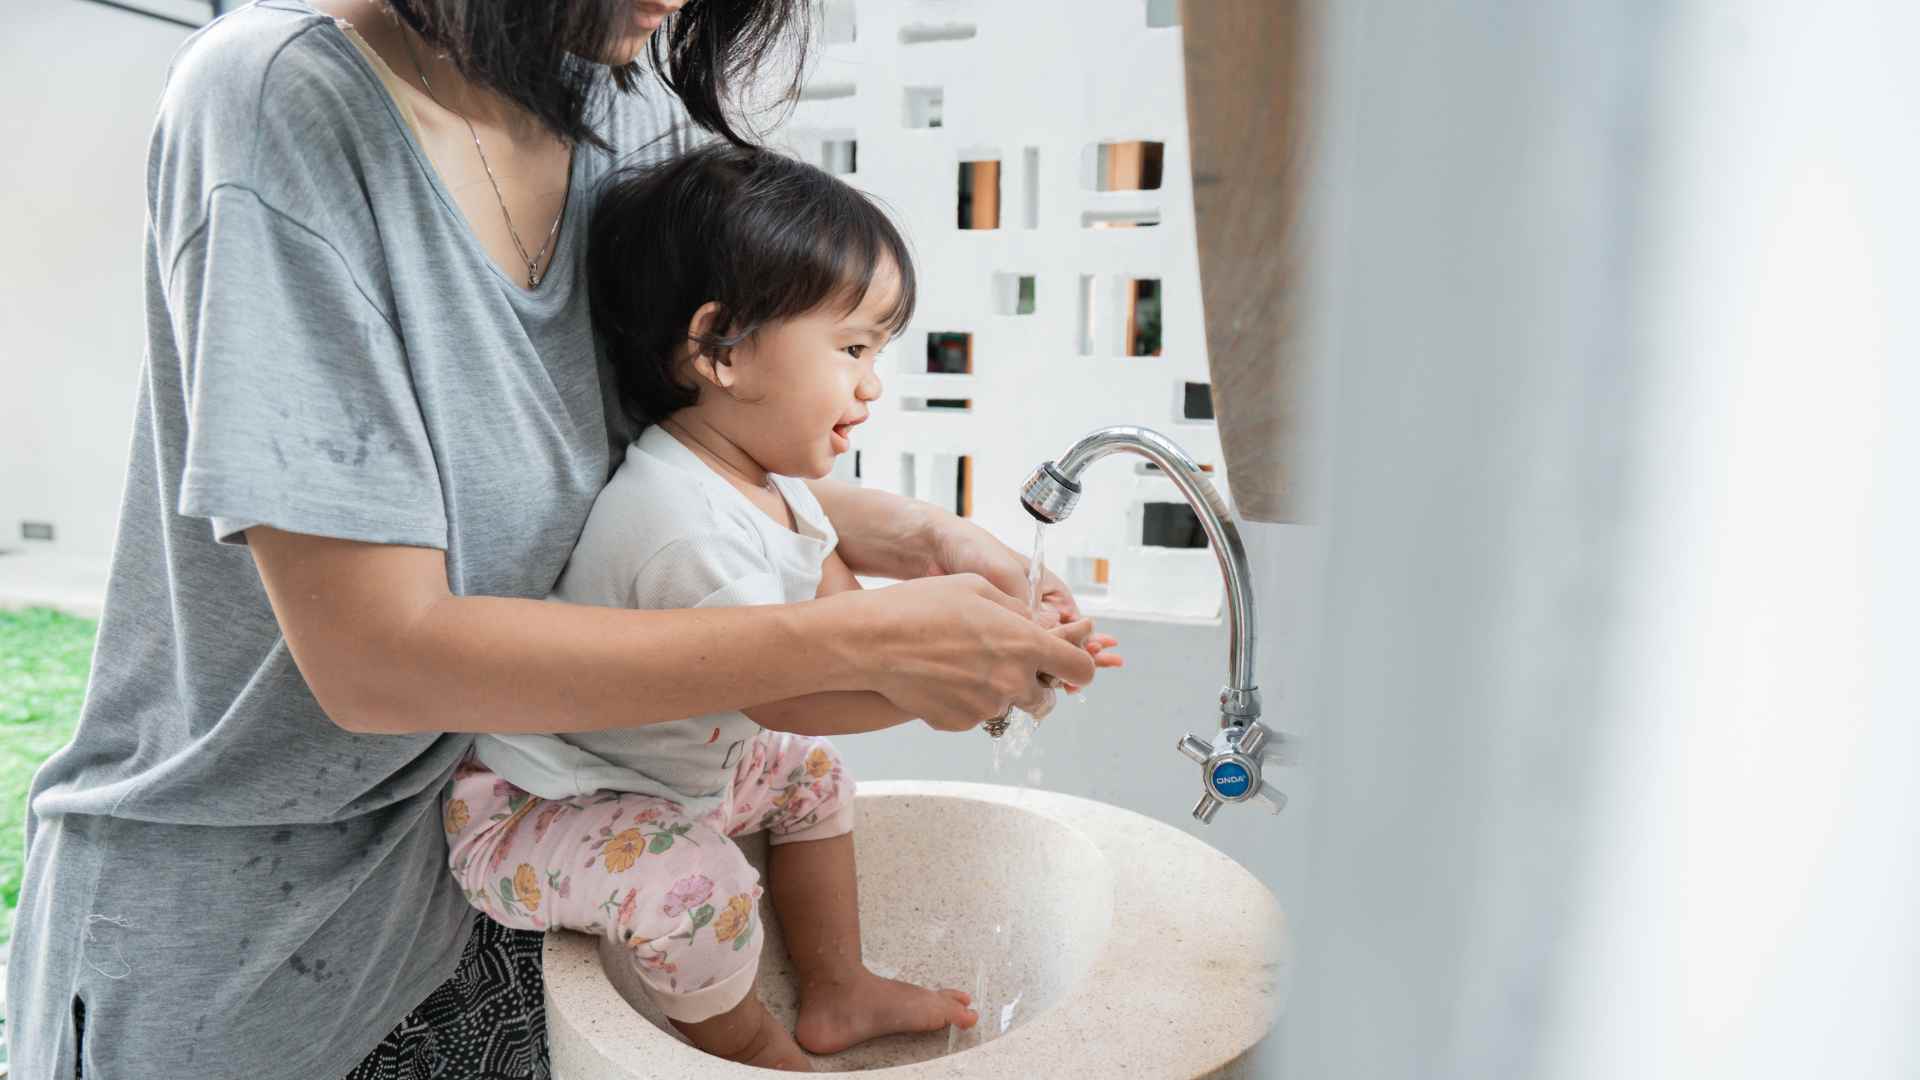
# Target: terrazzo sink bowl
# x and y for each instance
(1097, 942)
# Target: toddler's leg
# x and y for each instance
(808, 804)
(675, 892)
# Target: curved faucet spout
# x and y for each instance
(1054, 488)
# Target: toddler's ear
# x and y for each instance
(713, 366)
(711, 363)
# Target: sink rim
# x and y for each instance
(1224, 998)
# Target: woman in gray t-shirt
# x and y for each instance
(369, 428)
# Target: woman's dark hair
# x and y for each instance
(764, 235)
(531, 52)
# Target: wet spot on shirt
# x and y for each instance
(248, 865)
(244, 942)
(317, 971)
(286, 889)
(357, 762)
(283, 836)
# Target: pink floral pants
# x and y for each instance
(674, 890)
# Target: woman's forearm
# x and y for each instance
(486, 664)
(386, 648)
(881, 534)
(834, 712)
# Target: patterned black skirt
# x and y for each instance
(487, 1022)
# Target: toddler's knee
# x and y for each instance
(695, 939)
(813, 799)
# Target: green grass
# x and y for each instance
(43, 675)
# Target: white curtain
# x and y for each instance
(1619, 710)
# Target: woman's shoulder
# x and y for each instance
(268, 94)
(262, 59)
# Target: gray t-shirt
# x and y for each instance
(232, 885)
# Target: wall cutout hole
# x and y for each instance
(925, 106)
(1143, 317)
(1196, 401)
(827, 91)
(1089, 574)
(837, 25)
(1089, 307)
(1030, 188)
(1123, 166)
(926, 33)
(933, 404)
(1171, 525)
(1120, 219)
(1148, 468)
(36, 530)
(1013, 294)
(949, 353)
(909, 475)
(979, 203)
(840, 156)
(952, 482)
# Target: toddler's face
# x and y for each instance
(806, 382)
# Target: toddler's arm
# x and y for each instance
(833, 712)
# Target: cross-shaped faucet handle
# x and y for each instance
(1230, 768)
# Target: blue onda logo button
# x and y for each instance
(1230, 778)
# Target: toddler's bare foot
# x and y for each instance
(749, 1035)
(837, 1014)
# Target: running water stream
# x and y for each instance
(998, 1000)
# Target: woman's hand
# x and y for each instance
(957, 650)
(958, 546)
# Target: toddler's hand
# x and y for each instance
(1080, 632)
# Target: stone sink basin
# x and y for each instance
(1097, 942)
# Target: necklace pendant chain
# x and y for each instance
(534, 276)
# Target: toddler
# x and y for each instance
(743, 297)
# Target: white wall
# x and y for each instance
(1047, 80)
(78, 87)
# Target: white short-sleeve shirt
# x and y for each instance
(669, 532)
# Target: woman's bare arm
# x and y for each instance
(892, 536)
(881, 534)
(386, 647)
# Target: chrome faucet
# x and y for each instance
(1230, 764)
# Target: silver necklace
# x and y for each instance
(533, 261)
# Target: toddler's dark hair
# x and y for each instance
(766, 236)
